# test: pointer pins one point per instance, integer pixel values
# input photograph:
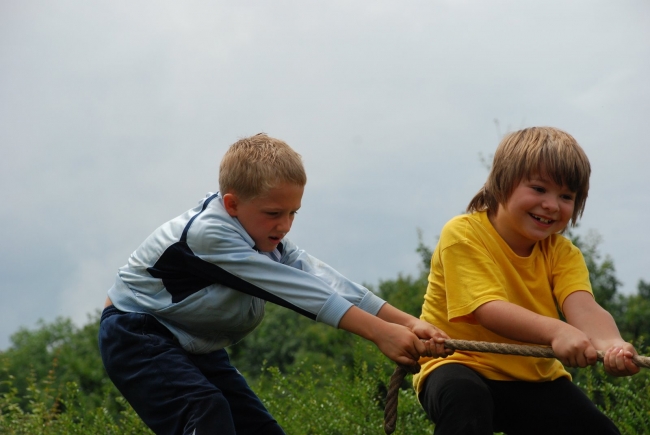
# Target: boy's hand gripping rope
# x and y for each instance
(390, 412)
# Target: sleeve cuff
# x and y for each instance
(371, 303)
(332, 311)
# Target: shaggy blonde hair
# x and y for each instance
(546, 151)
(255, 164)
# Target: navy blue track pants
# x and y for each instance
(173, 391)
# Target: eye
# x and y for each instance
(567, 197)
(272, 213)
(538, 189)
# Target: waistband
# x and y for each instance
(110, 311)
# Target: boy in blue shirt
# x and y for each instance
(199, 283)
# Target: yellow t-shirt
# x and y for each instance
(472, 265)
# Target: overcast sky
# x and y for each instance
(114, 116)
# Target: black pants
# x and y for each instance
(173, 391)
(461, 402)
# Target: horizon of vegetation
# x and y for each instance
(52, 380)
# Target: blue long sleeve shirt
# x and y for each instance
(200, 275)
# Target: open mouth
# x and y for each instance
(541, 219)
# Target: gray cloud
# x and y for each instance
(114, 116)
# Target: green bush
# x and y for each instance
(62, 411)
(306, 399)
(349, 400)
(314, 379)
(625, 400)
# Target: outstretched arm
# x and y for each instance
(571, 345)
(583, 312)
(395, 341)
(435, 337)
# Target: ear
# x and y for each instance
(230, 202)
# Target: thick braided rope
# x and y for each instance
(390, 412)
(524, 350)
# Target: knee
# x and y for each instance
(207, 412)
(466, 396)
(459, 404)
(464, 408)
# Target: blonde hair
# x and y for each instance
(545, 151)
(255, 164)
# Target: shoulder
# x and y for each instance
(561, 254)
(458, 224)
(211, 227)
(462, 228)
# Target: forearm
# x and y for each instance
(363, 324)
(395, 341)
(518, 323)
(391, 314)
(571, 345)
(583, 312)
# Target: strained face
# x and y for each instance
(268, 218)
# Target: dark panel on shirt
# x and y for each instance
(183, 274)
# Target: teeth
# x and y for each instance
(541, 219)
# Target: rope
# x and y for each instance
(390, 411)
(524, 350)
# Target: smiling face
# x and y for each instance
(267, 218)
(537, 208)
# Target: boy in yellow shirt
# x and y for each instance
(500, 273)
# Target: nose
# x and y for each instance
(551, 203)
(285, 223)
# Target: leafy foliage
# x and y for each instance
(48, 409)
(634, 313)
(56, 354)
(285, 337)
(349, 400)
(314, 379)
(624, 400)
